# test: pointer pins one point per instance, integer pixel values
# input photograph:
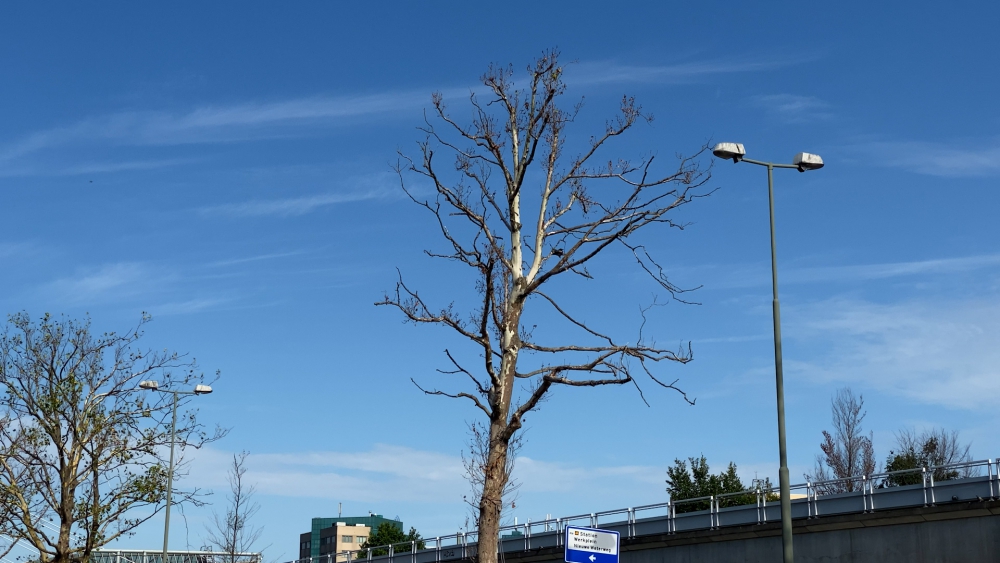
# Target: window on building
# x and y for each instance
(347, 539)
(362, 539)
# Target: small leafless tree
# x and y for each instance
(233, 532)
(847, 452)
(81, 447)
(520, 206)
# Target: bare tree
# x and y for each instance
(81, 448)
(931, 448)
(847, 452)
(233, 532)
(519, 212)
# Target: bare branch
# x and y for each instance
(515, 209)
(453, 396)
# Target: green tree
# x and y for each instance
(81, 447)
(389, 534)
(697, 482)
(932, 448)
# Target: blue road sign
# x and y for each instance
(590, 545)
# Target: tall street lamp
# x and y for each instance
(802, 162)
(198, 390)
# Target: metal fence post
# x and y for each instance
(713, 508)
(923, 480)
(933, 497)
(809, 500)
(989, 473)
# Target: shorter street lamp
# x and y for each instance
(199, 389)
(801, 162)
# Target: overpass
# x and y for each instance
(931, 520)
(173, 556)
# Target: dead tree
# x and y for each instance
(518, 211)
(233, 533)
(847, 453)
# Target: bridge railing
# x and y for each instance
(923, 486)
(148, 556)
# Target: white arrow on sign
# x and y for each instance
(592, 559)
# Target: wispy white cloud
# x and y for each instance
(258, 258)
(386, 472)
(729, 339)
(751, 276)
(109, 280)
(940, 352)
(791, 108)
(864, 272)
(152, 287)
(679, 73)
(94, 167)
(539, 476)
(950, 160)
(400, 473)
(290, 207)
(187, 307)
(8, 249)
(297, 117)
(217, 123)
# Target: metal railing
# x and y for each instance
(149, 556)
(860, 494)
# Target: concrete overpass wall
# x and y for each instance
(908, 536)
(958, 532)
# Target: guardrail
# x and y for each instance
(865, 493)
(148, 556)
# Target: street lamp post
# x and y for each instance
(802, 162)
(198, 390)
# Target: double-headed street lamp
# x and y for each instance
(802, 162)
(198, 390)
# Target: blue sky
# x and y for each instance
(226, 168)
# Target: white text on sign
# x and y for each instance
(595, 542)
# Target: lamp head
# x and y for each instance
(734, 151)
(202, 389)
(149, 385)
(807, 161)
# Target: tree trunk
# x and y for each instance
(501, 431)
(491, 503)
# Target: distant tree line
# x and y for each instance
(698, 482)
(847, 454)
(388, 534)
